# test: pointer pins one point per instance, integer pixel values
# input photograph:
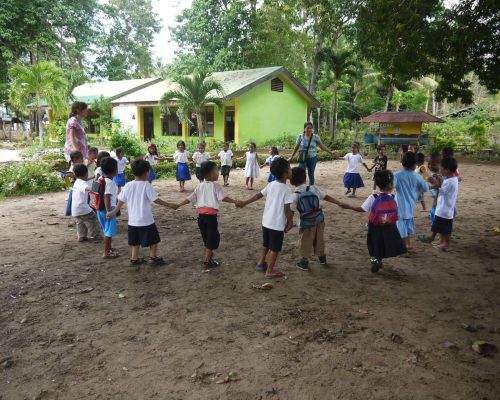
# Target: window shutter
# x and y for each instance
(276, 85)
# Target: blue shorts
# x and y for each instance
(405, 227)
(109, 226)
(119, 179)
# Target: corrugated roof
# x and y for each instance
(89, 92)
(234, 83)
(401, 117)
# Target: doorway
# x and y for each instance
(229, 126)
(148, 124)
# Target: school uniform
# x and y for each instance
(139, 196)
(252, 169)
(182, 169)
(151, 159)
(445, 208)
(226, 162)
(109, 225)
(352, 177)
(85, 219)
(120, 176)
(269, 160)
(200, 158)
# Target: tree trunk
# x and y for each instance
(426, 109)
(333, 126)
(388, 98)
(40, 124)
(199, 125)
(434, 104)
(315, 67)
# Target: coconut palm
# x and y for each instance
(192, 94)
(34, 84)
(429, 85)
(339, 63)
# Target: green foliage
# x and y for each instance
(28, 178)
(283, 142)
(129, 142)
(57, 131)
(410, 100)
(102, 108)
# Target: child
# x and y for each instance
(408, 185)
(434, 179)
(310, 221)
(98, 171)
(449, 152)
(76, 158)
(200, 157)
(90, 162)
(448, 192)
(142, 231)
(422, 171)
(352, 177)
(226, 162)
(109, 167)
(273, 154)
(151, 157)
(181, 158)
(379, 163)
(383, 239)
(122, 162)
(277, 218)
(251, 165)
(206, 198)
(85, 219)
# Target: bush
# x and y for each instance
(28, 178)
(129, 142)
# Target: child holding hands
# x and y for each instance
(352, 177)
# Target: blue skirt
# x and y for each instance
(271, 178)
(152, 175)
(119, 179)
(182, 172)
(353, 180)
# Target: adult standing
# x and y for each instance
(306, 145)
(76, 139)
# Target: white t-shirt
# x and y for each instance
(121, 164)
(150, 158)
(447, 198)
(277, 194)
(181, 157)
(139, 195)
(80, 198)
(98, 172)
(225, 157)
(368, 203)
(207, 195)
(112, 190)
(200, 157)
(353, 162)
(302, 188)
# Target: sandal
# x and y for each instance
(156, 261)
(261, 267)
(275, 275)
(137, 261)
(110, 254)
(83, 239)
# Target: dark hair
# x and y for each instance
(435, 156)
(383, 178)
(355, 144)
(449, 163)
(80, 170)
(140, 167)
(206, 168)
(279, 167)
(447, 151)
(119, 150)
(420, 158)
(225, 144)
(109, 165)
(253, 144)
(153, 146)
(409, 160)
(298, 176)
(274, 150)
(75, 155)
(101, 156)
(380, 147)
(306, 124)
(181, 142)
(93, 150)
(201, 144)
(77, 107)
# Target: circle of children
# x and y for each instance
(100, 191)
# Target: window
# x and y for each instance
(208, 122)
(170, 124)
(276, 85)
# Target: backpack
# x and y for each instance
(384, 210)
(308, 207)
(96, 194)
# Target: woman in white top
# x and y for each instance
(252, 169)
(352, 177)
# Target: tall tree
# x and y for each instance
(36, 84)
(193, 94)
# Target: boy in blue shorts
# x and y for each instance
(409, 186)
(109, 168)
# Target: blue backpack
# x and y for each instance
(308, 207)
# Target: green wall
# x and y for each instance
(264, 114)
(218, 123)
(157, 121)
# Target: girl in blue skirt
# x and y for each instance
(152, 158)
(181, 158)
(352, 177)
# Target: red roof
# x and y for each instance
(401, 117)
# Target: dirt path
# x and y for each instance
(78, 327)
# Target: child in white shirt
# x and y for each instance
(277, 218)
(200, 157)
(206, 198)
(100, 157)
(90, 162)
(87, 226)
(181, 158)
(226, 162)
(142, 230)
(352, 177)
(122, 162)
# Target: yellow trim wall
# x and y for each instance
(401, 128)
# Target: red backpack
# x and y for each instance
(96, 195)
(384, 210)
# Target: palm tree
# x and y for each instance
(339, 63)
(192, 94)
(34, 84)
(429, 85)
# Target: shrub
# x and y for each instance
(129, 142)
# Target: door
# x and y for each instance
(148, 124)
(229, 126)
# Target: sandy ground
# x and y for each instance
(74, 326)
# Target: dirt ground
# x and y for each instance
(74, 326)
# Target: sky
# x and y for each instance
(167, 10)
